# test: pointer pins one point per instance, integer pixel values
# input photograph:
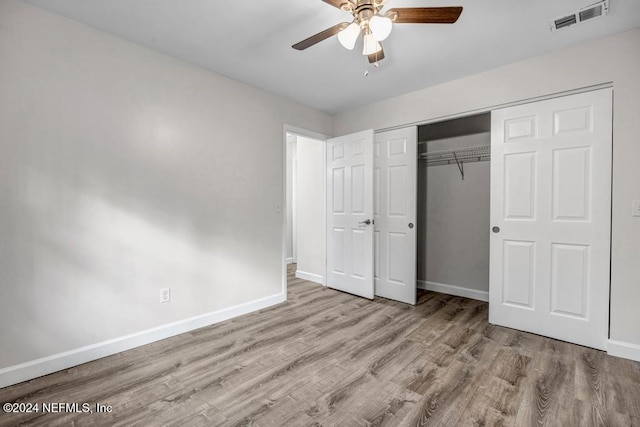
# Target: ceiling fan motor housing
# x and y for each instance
(365, 10)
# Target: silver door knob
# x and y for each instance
(365, 222)
(496, 229)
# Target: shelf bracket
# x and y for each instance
(460, 165)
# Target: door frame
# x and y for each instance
(294, 219)
(296, 131)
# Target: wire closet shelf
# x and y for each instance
(456, 156)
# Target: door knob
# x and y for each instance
(496, 229)
(410, 225)
(365, 222)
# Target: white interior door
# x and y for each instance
(551, 216)
(394, 182)
(350, 213)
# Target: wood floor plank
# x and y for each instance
(623, 397)
(444, 402)
(392, 410)
(550, 387)
(501, 390)
(329, 358)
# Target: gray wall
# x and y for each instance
(611, 59)
(123, 171)
(453, 239)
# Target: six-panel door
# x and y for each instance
(350, 213)
(550, 214)
(394, 176)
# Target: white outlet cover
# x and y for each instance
(165, 295)
(635, 208)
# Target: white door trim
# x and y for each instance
(294, 231)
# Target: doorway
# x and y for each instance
(304, 233)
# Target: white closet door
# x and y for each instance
(395, 181)
(350, 213)
(551, 217)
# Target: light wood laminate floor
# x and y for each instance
(329, 358)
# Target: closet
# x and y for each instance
(453, 206)
(512, 207)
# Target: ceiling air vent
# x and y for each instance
(595, 10)
(564, 21)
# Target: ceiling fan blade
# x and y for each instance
(376, 57)
(317, 38)
(425, 15)
(338, 3)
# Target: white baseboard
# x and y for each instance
(623, 349)
(57, 362)
(290, 260)
(454, 290)
(312, 277)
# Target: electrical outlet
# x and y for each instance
(165, 295)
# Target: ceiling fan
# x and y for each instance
(376, 26)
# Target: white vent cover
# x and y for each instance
(596, 10)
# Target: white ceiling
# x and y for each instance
(250, 41)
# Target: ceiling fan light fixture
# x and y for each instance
(380, 27)
(376, 26)
(371, 45)
(349, 36)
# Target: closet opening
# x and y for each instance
(453, 206)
